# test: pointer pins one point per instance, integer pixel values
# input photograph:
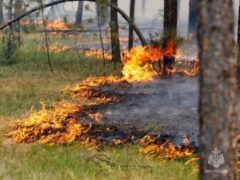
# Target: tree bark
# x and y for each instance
(170, 17)
(132, 14)
(218, 90)
(170, 32)
(193, 16)
(116, 54)
(78, 20)
(1, 12)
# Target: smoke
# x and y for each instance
(166, 106)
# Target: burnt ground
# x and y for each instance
(163, 106)
(166, 106)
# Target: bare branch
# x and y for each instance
(120, 11)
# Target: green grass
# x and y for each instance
(72, 162)
(27, 81)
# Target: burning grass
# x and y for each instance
(140, 63)
(158, 147)
(55, 126)
(29, 81)
(80, 122)
(60, 125)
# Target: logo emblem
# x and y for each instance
(216, 158)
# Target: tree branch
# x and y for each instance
(120, 11)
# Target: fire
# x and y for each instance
(98, 54)
(50, 25)
(57, 25)
(49, 126)
(61, 124)
(56, 48)
(139, 62)
(137, 66)
(157, 147)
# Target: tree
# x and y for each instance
(132, 13)
(193, 16)
(18, 8)
(116, 54)
(1, 11)
(170, 31)
(170, 18)
(78, 20)
(103, 12)
(218, 87)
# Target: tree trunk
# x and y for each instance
(10, 48)
(1, 12)
(116, 55)
(170, 17)
(218, 90)
(131, 35)
(193, 16)
(78, 20)
(170, 32)
(103, 12)
(18, 8)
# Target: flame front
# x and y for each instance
(137, 63)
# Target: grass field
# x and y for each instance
(25, 83)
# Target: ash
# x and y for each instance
(162, 106)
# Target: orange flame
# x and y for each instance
(57, 25)
(137, 66)
(139, 62)
(151, 146)
(98, 54)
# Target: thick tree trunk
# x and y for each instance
(131, 35)
(78, 20)
(170, 17)
(170, 31)
(1, 11)
(193, 16)
(116, 54)
(218, 87)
